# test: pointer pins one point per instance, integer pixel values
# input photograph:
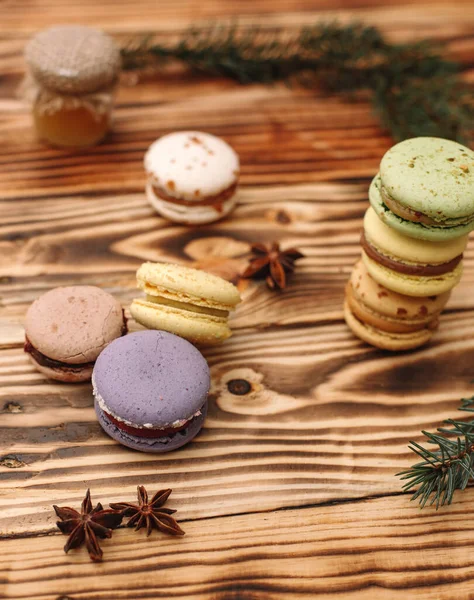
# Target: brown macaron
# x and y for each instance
(68, 327)
(386, 319)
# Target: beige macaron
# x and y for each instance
(190, 303)
(387, 319)
(383, 339)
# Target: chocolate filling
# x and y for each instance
(399, 267)
(216, 200)
(51, 363)
(146, 432)
(45, 361)
(415, 216)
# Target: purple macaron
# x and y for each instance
(151, 390)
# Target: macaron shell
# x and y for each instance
(412, 286)
(409, 228)
(400, 247)
(389, 303)
(191, 165)
(74, 324)
(76, 376)
(187, 285)
(151, 378)
(195, 327)
(394, 342)
(160, 444)
(431, 175)
(189, 215)
(382, 322)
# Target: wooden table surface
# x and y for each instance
(289, 491)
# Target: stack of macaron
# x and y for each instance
(415, 232)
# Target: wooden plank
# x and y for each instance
(377, 548)
(115, 234)
(328, 418)
(25, 16)
(288, 491)
(279, 135)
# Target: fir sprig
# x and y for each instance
(448, 467)
(414, 89)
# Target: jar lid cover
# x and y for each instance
(72, 59)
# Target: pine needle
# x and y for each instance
(415, 91)
(447, 469)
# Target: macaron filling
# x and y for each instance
(150, 432)
(390, 324)
(408, 214)
(156, 291)
(216, 200)
(161, 300)
(390, 335)
(51, 363)
(407, 268)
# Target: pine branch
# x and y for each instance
(415, 91)
(448, 467)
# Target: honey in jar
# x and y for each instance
(73, 71)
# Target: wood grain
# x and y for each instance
(375, 548)
(290, 490)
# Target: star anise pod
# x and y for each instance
(88, 525)
(272, 263)
(151, 513)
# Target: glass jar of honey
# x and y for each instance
(73, 72)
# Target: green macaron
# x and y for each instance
(425, 189)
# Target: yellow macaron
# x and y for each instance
(407, 265)
(412, 285)
(190, 303)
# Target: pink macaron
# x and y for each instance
(68, 327)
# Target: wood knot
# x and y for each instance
(11, 461)
(283, 217)
(239, 387)
(243, 391)
(12, 407)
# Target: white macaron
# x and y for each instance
(192, 177)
